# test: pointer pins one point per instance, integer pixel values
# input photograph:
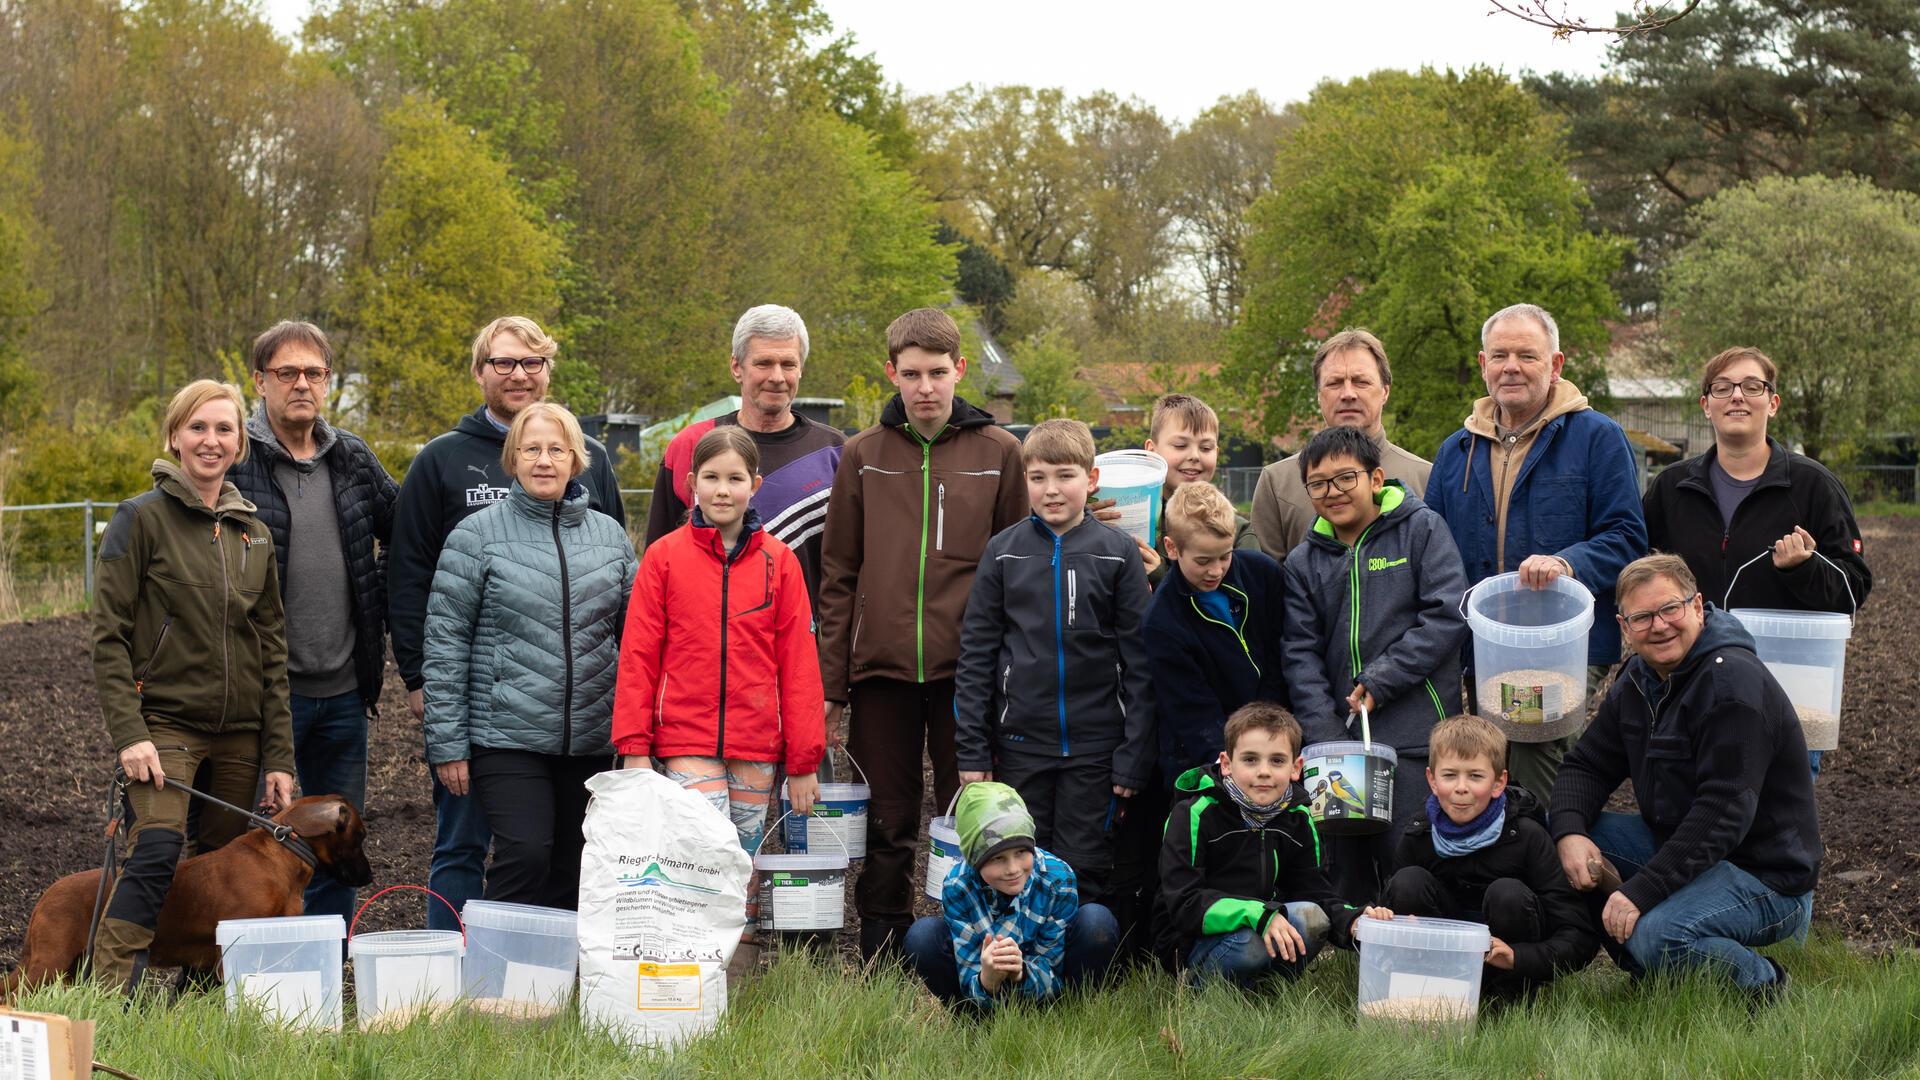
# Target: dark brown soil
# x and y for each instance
(59, 760)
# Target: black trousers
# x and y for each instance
(1135, 886)
(1510, 908)
(535, 805)
(1358, 866)
(892, 723)
(1074, 810)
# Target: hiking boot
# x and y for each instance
(881, 943)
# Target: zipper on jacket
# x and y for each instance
(566, 638)
(1232, 629)
(940, 522)
(726, 579)
(1005, 677)
(226, 599)
(1353, 620)
(920, 595)
(1059, 651)
(1073, 594)
(140, 684)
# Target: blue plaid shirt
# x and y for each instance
(1037, 918)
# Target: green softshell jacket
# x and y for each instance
(1218, 875)
(187, 624)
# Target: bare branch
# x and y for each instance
(1648, 18)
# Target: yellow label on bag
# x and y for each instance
(668, 987)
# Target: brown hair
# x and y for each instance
(1729, 357)
(1059, 442)
(1355, 338)
(1195, 415)
(1264, 716)
(730, 438)
(1649, 567)
(188, 401)
(519, 326)
(290, 332)
(570, 432)
(929, 328)
(1468, 737)
(1196, 508)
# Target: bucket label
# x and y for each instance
(400, 981)
(812, 901)
(668, 987)
(1535, 704)
(831, 829)
(1349, 786)
(287, 996)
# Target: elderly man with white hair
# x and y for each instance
(1539, 483)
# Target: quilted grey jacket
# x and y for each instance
(523, 629)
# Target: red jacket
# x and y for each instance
(718, 658)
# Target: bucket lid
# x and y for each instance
(1130, 468)
(519, 918)
(1342, 749)
(801, 861)
(1774, 623)
(1404, 932)
(408, 943)
(285, 928)
(1578, 604)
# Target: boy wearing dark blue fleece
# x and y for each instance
(1373, 622)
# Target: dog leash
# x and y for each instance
(282, 834)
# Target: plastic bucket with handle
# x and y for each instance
(839, 812)
(943, 849)
(400, 975)
(1132, 479)
(800, 892)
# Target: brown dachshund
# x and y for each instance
(253, 877)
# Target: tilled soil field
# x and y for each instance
(58, 763)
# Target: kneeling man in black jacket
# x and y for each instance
(1726, 848)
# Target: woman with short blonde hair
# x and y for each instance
(557, 415)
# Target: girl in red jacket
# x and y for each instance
(719, 680)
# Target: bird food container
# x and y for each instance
(1530, 655)
(1420, 972)
(1807, 653)
(943, 850)
(288, 967)
(1133, 479)
(520, 958)
(1349, 787)
(838, 818)
(402, 974)
(802, 891)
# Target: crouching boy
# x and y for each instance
(1242, 889)
(1013, 923)
(1481, 853)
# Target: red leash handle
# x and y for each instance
(416, 888)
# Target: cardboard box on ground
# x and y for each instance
(44, 1046)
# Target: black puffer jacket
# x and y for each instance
(1526, 853)
(363, 497)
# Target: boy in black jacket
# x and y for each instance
(1052, 696)
(1242, 892)
(1481, 853)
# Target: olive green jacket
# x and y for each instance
(188, 630)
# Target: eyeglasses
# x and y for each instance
(532, 453)
(1642, 621)
(1753, 388)
(289, 374)
(1346, 481)
(504, 365)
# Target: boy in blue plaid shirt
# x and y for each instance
(1013, 922)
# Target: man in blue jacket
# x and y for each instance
(1539, 483)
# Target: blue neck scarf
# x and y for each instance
(1451, 839)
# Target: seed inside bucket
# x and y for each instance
(1529, 696)
(511, 1008)
(1820, 727)
(1424, 1009)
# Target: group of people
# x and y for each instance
(1127, 718)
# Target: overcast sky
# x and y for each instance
(1182, 55)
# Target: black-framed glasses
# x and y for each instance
(1753, 388)
(1642, 621)
(504, 365)
(1346, 481)
(290, 374)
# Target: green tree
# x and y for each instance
(22, 241)
(1221, 163)
(1415, 204)
(1051, 384)
(1823, 275)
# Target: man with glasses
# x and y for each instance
(326, 500)
(1538, 483)
(458, 474)
(1725, 850)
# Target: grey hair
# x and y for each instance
(772, 322)
(1532, 311)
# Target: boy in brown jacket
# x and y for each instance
(916, 498)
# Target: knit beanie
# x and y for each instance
(992, 819)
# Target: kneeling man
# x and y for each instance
(1726, 848)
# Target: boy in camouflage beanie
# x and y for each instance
(1013, 922)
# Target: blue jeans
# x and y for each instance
(330, 754)
(460, 841)
(1093, 935)
(1709, 921)
(1241, 957)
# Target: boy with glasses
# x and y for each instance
(1373, 621)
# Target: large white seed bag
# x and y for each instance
(663, 898)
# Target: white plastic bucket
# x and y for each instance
(1350, 785)
(943, 850)
(520, 958)
(288, 967)
(839, 814)
(1807, 653)
(802, 891)
(1133, 479)
(400, 975)
(1530, 655)
(1423, 972)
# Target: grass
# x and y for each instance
(1847, 1016)
(1883, 508)
(39, 592)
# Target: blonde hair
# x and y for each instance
(1059, 442)
(519, 326)
(1192, 413)
(1466, 738)
(1647, 568)
(188, 401)
(1198, 507)
(569, 430)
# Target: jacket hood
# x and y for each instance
(1198, 778)
(476, 424)
(1562, 398)
(707, 538)
(1396, 506)
(265, 442)
(1719, 630)
(573, 503)
(965, 415)
(170, 478)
